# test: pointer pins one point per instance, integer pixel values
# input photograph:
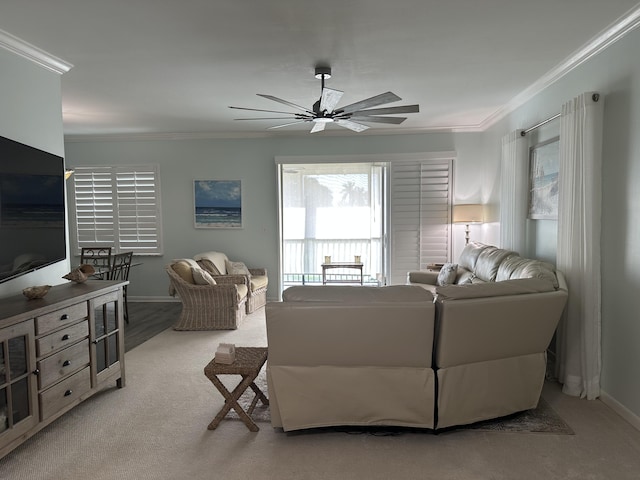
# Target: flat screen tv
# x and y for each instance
(32, 209)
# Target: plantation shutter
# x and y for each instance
(118, 206)
(138, 210)
(420, 220)
(94, 208)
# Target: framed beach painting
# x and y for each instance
(217, 203)
(543, 180)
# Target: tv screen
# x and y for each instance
(32, 209)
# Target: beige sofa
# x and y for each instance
(363, 356)
(351, 355)
(494, 325)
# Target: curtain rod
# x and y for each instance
(595, 97)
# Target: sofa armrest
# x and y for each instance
(422, 276)
(261, 272)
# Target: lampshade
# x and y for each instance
(468, 213)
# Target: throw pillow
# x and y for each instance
(236, 268)
(447, 274)
(202, 277)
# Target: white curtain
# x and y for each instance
(578, 255)
(513, 192)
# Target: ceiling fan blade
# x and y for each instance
(383, 98)
(269, 118)
(318, 127)
(329, 99)
(260, 110)
(286, 124)
(356, 127)
(279, 100)
(389, 110)
(365, 118)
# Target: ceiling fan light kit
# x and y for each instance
(352, 117)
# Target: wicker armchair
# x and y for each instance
(208, 307)
(256, 279)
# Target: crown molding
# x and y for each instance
(606, 38)
(33, 53)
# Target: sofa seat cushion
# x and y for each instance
(258, 282)
(214, 262)
(356, 294)
(494, 289)
(243, 290)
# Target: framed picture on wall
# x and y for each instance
(543, 180)
(217, 203)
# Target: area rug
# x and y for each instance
(542, 419)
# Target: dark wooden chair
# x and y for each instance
(98, 257)
(119, 270)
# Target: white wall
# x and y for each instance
(253, 161)
(31, 113)
(615, 74)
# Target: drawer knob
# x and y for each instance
(64, 317)
(65, 336)
(68, 392)
(36, 372)
(66, 363)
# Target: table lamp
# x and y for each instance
(468, 214)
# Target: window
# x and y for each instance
(331, 209)
(118, 206)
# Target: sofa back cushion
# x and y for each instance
(356, 294)
(507, 267)
(470, 254)
(536, 269)
(214, 262)
(494, 289)
(489, 261)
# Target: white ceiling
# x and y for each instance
(172, 67)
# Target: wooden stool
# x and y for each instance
(248, 363)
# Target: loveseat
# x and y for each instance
(223, 270)
(451, 355)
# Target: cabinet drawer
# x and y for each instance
(59, 318)
(56, 341)
(59, 396)
(63, 363)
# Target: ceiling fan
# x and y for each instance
(324, 110)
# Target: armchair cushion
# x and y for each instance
(183, 268)
(214, 262)
(447, 274)
(236, 268)
(202, 277)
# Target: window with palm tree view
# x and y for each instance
(331, 210)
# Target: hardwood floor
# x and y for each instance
(147, 319)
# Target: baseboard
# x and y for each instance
(166, 298)
(620, 409)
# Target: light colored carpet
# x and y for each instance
(156, 428)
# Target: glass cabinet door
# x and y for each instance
(107, 333)
(18, 390)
